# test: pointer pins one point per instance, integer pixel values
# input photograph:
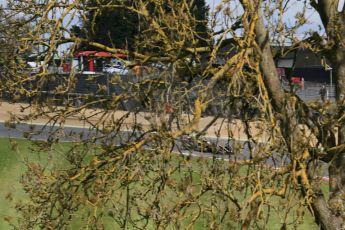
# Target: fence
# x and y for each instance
(311, 91)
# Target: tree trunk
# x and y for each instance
(337, 166)
(329, 216)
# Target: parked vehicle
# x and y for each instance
(92, 62)
(115, 68)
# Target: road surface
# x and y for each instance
(70, 134)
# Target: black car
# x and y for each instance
(192, 143)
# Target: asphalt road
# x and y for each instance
(39, 132)
(70, 134)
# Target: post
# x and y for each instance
(330, 69)
(331, 83)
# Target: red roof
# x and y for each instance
(103, 54)
(99, 54)
(85, 53)
(121, 55)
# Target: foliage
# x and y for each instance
(112, 27)
(11, 168)
(137, 122)
(119, 27)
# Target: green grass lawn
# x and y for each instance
(12, 166)
(13, 157)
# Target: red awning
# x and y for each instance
(85, 53)
(121, 55)
(103, 54)
(89, 53)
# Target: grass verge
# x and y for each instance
(12, 166)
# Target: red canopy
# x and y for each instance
(103, 54)
(89, 53)
(85, 53)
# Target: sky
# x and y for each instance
(313, 19)
(211, 3)
(312, 16)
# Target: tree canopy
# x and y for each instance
(119, 27)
